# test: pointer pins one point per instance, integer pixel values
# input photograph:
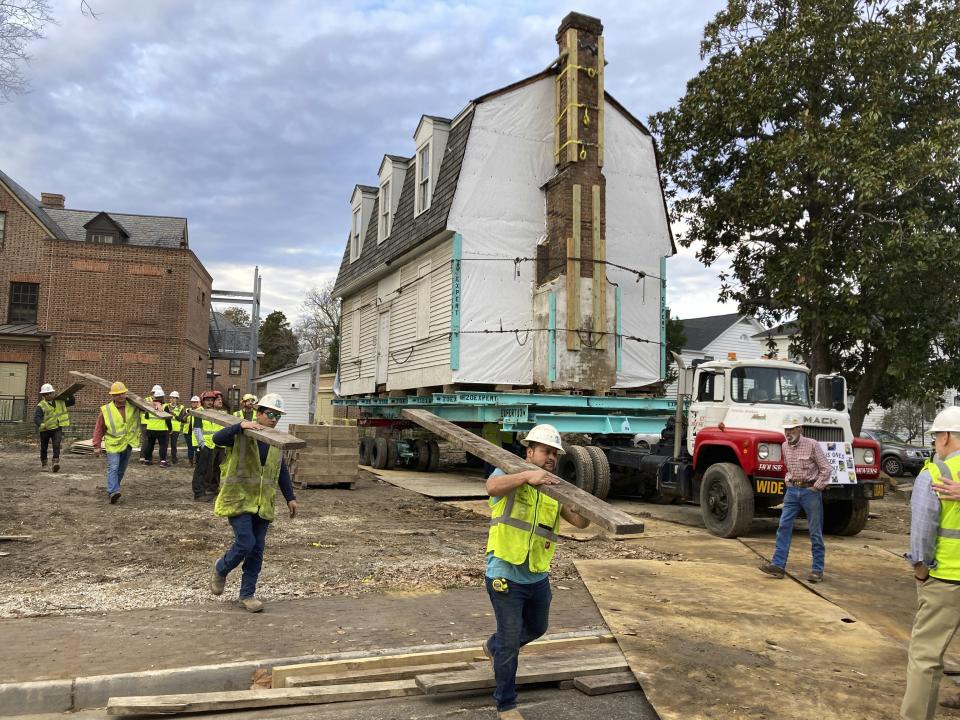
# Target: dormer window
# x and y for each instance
(386, 215)
(356, 239)
(423, 178)
(101, 238)
(102, 229)
(430, 140)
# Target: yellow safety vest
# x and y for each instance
(54, 415)
(155, 423)
(122, 432)
(209, 430)
(947, 554)
(523, 528)
(246, 486)
(143, 416)
(176, 425)
(245, 414)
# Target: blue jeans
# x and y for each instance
(811, 501)
(116, 467)
(522, 614)
(191, 450)
(250, 537)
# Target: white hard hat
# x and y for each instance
(792, 421)
(272, 401)
(545, 435)
(195, 398)
(947, 420)
(156, 390)
(175, 394)
(46, 388)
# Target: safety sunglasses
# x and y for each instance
(273, 415)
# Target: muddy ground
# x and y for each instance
(157, 546)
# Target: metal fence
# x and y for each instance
(13, 408)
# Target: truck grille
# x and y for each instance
(823, 434)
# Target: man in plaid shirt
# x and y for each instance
(808, 473)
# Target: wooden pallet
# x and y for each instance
(329, 459)
(328, 483)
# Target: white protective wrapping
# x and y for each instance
(500, 212)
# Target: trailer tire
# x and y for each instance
(422, 448)
(576, 467)
(366, 450)
(391, 454)
(381, 452)
(726, 500)
(845, 517)
(434, 456)
(601, 471)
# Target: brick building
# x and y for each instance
(117, 295)
(229, 369)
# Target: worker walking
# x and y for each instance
(935, 555)
(520, 545)
(118, 428)
(203, 432)
(179, 413)
(50, 418)
(252, 473)
(808, 473)
(188, 429)
(158, 430)
(248, 407)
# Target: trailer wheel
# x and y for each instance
(576, 467)
(366, 450)
(422, 448)
(381, 451)
(434, 456)
(391, 454)
(726, 500)
(601, 471)
(845, 517)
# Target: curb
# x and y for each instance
(85, 693)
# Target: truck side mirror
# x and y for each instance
(831, 392)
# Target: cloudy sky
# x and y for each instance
(255, 119)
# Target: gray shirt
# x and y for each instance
(925, 517)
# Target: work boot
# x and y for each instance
(487, 652)
(43, 466)
(815, 576)
(164, 463)
(191, 463)
(251, 604)
(217, 581)
(772, 570)
(114, 498)
(513, 714)
(56, 464)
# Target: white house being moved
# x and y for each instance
(523, 243)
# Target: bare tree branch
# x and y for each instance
(21, 22)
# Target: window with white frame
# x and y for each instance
(356, 242)
(3, 227)
(423, 178)
(355, 329)
(386, 205)
(423, 300)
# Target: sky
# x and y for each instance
(254, 120)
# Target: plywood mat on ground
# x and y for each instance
(718, 641)
(435, 484)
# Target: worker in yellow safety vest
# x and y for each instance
(522, 539)
(248, 407)
(179, 412)
(50, 418)
(158, 430)
(188, 425)
(118, 429)
(203, 431)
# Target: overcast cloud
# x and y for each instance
(255, 119)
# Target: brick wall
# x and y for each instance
(224, 381)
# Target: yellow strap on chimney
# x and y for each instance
(591, 72)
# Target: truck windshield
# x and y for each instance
(769, 385)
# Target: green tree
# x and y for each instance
(239, 316)
(278, 343)
(819, 149)
(675, 342)
(909, 419)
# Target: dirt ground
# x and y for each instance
(156, 547)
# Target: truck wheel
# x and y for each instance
(366, 450)
(726, 500)
(434, 456)
(422, 449)
(391, 454)
(601, 471)
(381, 450)
(892, 466)
(845, 517)
(576, 467)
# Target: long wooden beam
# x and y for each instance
(134, 399)
(282, 440)
(67, 392)
(583, 503)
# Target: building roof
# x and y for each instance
(149, 230)
(227, 340)
(702, 331)
(22, 330)
(281, 372)
(34, 206)
(782, 330)
(408, 231)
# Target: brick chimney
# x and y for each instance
(52, 200)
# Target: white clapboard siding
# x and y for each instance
(296, 399)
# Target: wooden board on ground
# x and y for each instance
(245, 699)
(134, 399)
(375, 674)
(606, 684)
(282, 440)
(592, 508)
(720, 641)
(72, 390)
(14, 538)
(327, 483)
(438, 485)
(530, 670)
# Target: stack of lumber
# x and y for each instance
(330, 457)
(85, 447)
(593, 664)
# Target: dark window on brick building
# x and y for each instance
(101, 238)
(235, 367)
(24, 298)
(233, 398)
(3, 227)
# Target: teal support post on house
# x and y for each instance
(663, 316)
(618, 338)
(552, 338)
(455, 294)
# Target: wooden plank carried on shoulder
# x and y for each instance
(134, 399)
(241, 699)
(582, 503)
(72, 390)
(282, 440)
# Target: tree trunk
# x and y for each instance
(865, 391)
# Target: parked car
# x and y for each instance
(897, 455)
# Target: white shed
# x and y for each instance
(293, 384)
